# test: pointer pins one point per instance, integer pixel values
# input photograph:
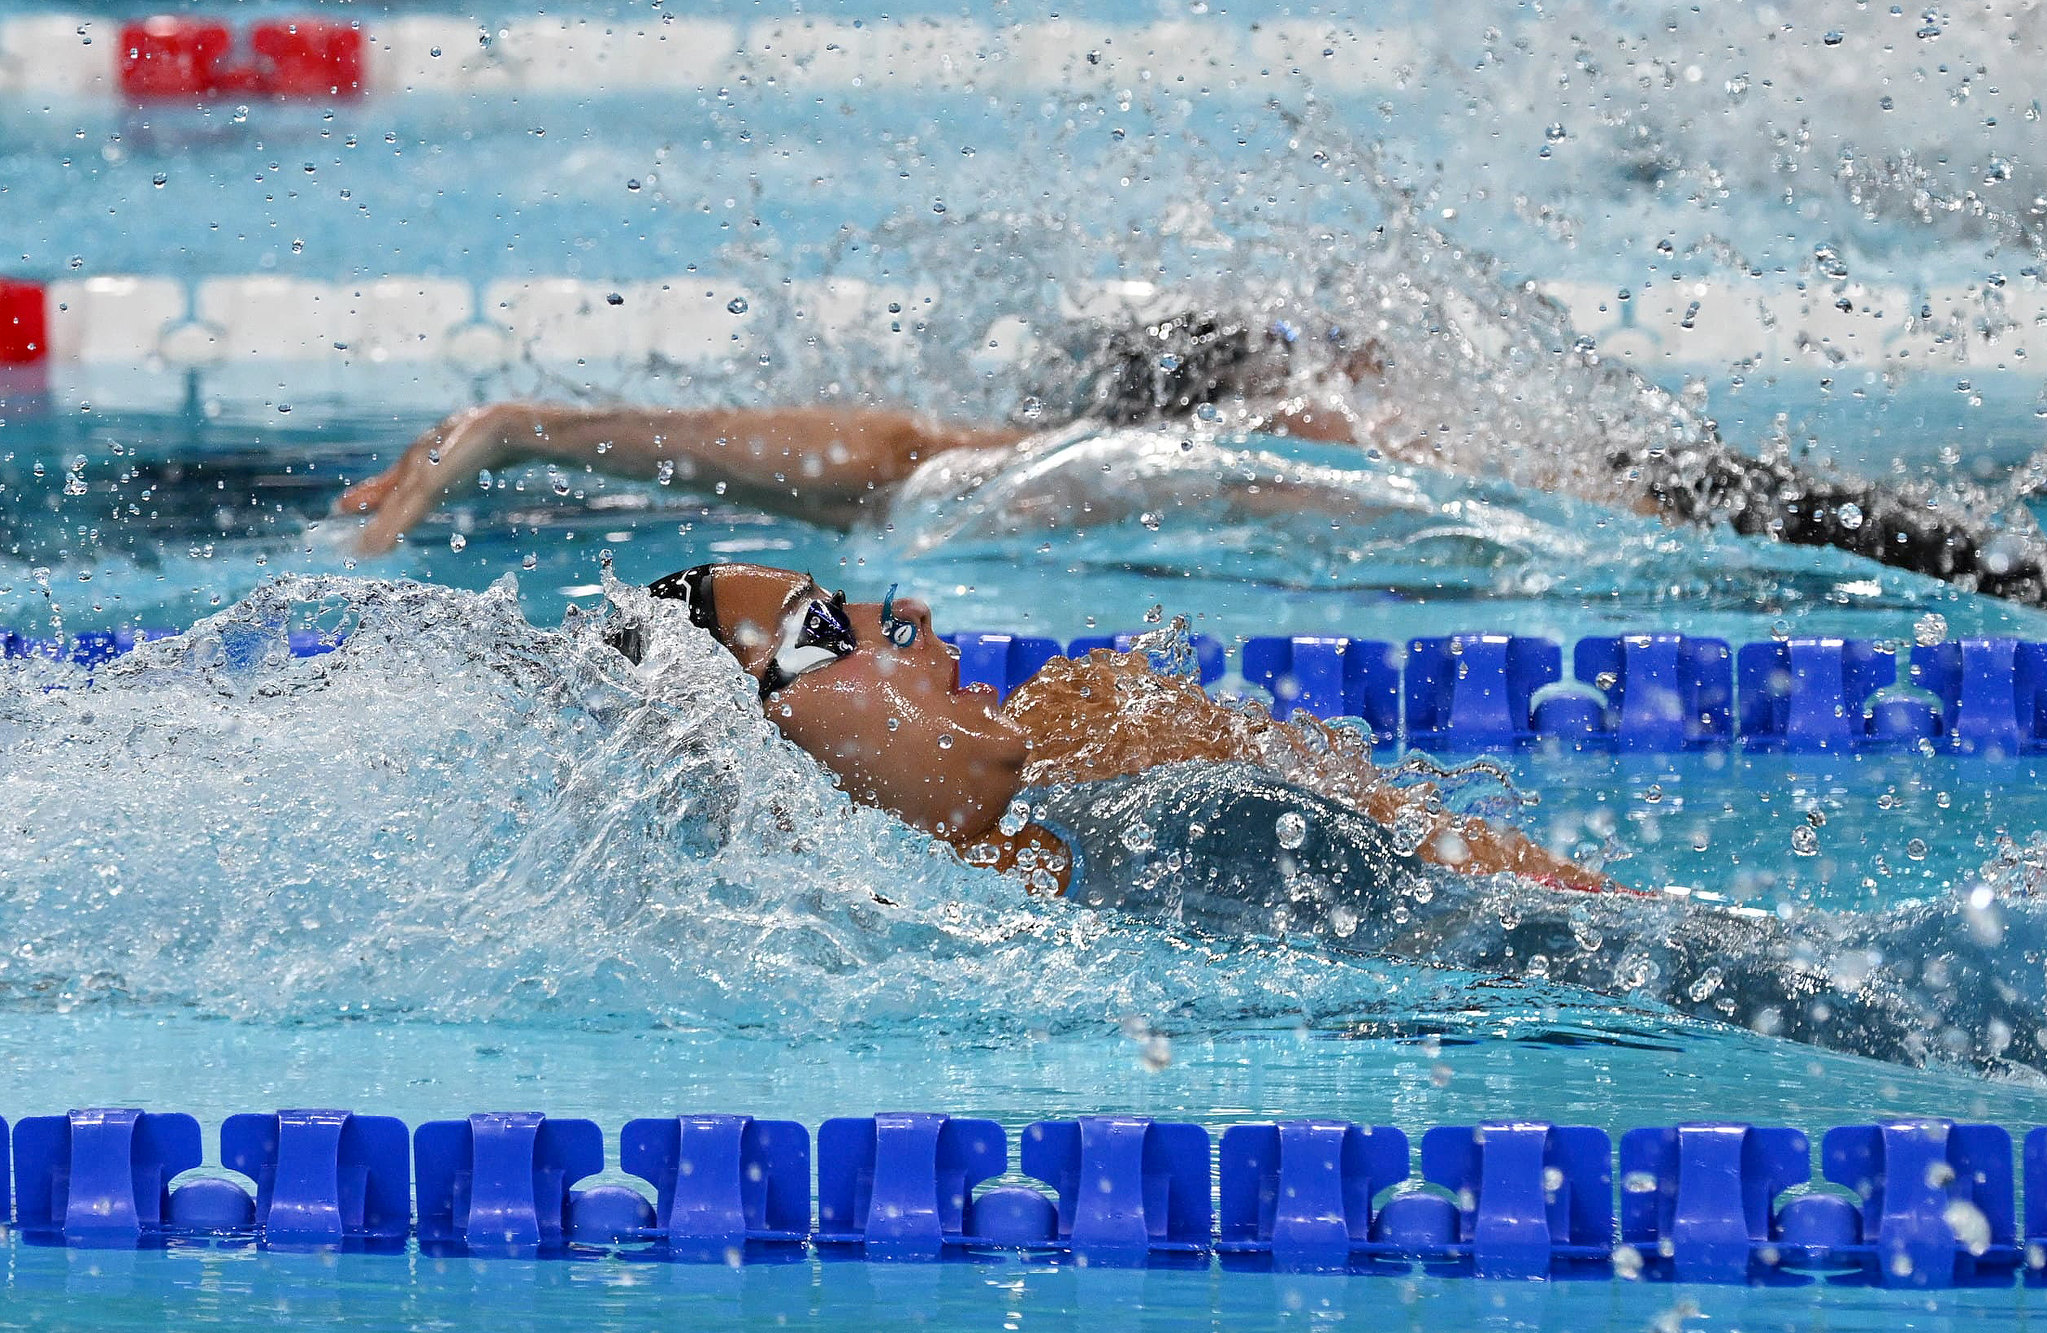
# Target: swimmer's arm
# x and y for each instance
(826, 464)
(1474, 847)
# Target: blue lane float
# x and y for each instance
(1913, 1203)
(1467, 693)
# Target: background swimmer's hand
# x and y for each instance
(448, 454)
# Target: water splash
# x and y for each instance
(459, 815)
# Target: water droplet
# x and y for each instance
(632, 185)
(1138, 837)
(1292, 829)
(1555, 133)
(529, 561)
(456, 541)
(1851, 516)
(1150, 520)
(664, 471)
(614, 299)
(1805, 840)
(1014, 818)
(1834, 38)
(1916, 849)
(737, 305)
(559, 483)
(159, 180)
(1654, 794)
(1929, 629)
(298, 247)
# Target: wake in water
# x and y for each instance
(459, 815)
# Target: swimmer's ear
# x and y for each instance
(630, 641)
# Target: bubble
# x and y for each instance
(1138, 837)
(1916, 849)
(1292, 829)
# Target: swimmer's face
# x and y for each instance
(890, 721)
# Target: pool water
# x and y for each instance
(440, 872)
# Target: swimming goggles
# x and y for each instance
(815, 634)
(818, 633)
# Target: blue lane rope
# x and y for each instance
(1922, 1203)
(1641, 693)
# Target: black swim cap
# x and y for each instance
(1169, 368)
(691, 587)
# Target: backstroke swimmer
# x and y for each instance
(1122, 787)
(845, 465)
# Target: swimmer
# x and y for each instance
(843, 466)
(1120, 787)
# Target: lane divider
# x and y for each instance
(158, 323)
(1918, 1203)
(1466, 693)
(196, 58)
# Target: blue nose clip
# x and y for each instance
(901, 633)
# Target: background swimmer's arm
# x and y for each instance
(826, 464)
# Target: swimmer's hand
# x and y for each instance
(446, 455)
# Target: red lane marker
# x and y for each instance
(169, 57)
(24, 324)
(172, 57)
(309, 58)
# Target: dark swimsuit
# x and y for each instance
(1203, 845)
(1772, 499)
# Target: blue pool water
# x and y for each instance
(441, 872)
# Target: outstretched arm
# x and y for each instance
(826, 464)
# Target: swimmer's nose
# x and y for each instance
(917, 613)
